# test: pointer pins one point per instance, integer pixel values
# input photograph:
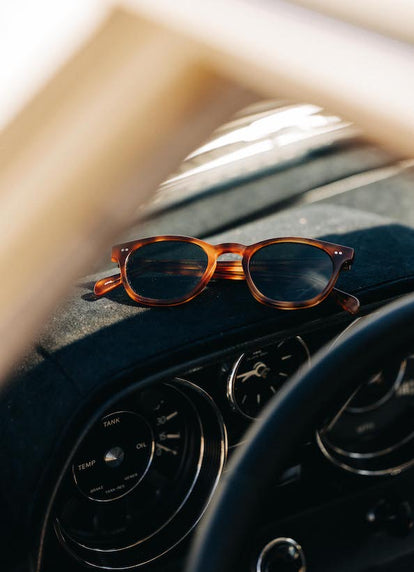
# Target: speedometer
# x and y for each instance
(373, 433)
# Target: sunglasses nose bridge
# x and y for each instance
(229, 269)
(230, 247)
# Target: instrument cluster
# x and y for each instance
(144, 474)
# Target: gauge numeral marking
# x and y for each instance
(165, 436)
(165, 418)
(406, 388)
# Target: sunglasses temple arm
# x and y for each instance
(346, 301)
(107, 284)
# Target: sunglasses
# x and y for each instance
(284, 273)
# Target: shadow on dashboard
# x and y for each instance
(383, 255)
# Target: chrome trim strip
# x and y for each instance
(354, 182)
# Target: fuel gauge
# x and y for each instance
(257, 376)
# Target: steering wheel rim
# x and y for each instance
(305, 399)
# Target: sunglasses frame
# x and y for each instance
(341, 257)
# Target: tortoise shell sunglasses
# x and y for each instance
(284, 273)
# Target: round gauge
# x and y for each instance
(114, 457)
(373, 433)
(142, 476)
(377, 389)
(257, 376)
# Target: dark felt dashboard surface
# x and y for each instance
(93, 339)
(91, 342)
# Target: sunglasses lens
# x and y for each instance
(290, 272)
(166, 271)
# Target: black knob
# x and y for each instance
(395, 516)
(281, 555)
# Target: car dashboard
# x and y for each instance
(176, 437)
(119, 423)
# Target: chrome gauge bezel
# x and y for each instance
(277, 542)
(232, 377)
(396, 384)
(384, 461)
(213, 437)
(380, 452)
(344, 464)
(190, 489)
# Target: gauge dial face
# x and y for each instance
(115, 456)
(377, 389)
(373, 432)
(366, 426)
(257, 376)
(142, 476)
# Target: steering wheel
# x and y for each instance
(301, 406)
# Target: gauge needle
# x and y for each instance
(333, 421)
(260, 370)
(245, 376)
(167, 449)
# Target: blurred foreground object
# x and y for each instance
(148, 87)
